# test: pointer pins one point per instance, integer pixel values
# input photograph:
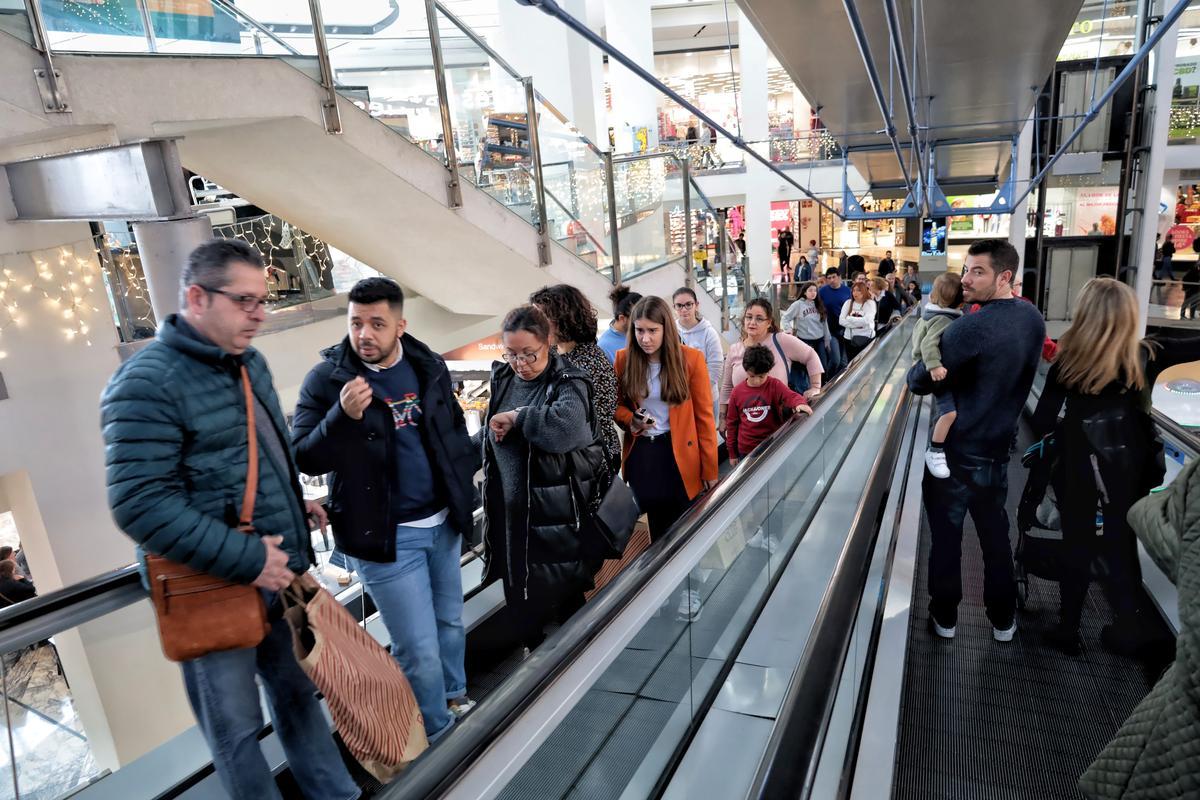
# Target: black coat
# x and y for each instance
(360, 455)
(13, 591)
(538, 549)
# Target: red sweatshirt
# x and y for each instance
(755, 413)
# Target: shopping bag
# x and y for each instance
(372, 703)
(612, 567)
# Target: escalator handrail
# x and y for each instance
(41, 617)
(1184, 437)
(435, 772)
(788, 767)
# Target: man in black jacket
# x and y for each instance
(379, 414)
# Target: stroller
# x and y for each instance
(1039, 529)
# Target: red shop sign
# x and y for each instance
(1181, 236)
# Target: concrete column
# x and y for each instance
(628, 27)
(1016, 223)
(1152, 181)
(565, 69)
(163, 248)
(752, 54)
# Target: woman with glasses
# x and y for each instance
(699, 333)
(664, 401)
(533, 443)
(758, 327)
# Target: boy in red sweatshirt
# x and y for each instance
(759, 405)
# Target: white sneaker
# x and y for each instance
(690, 607)
(945, 633)
(460, 706)
(762, 540)
(935, 461)
(1005, 635)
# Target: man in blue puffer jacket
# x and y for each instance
(174, 422)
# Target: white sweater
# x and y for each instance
(858, 319)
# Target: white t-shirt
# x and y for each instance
(655, 404)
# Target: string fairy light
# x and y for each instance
(60, 279)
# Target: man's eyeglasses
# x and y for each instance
(247, 302)
(520, 358)
(684, 306)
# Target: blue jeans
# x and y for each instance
(225, 700)
(419, 596)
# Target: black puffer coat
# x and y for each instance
(535, 546)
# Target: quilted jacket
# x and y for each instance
(1156, 754)
(174, 425)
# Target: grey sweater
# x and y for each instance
(559, 427)
(804, 321)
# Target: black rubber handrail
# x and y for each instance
(435, 772)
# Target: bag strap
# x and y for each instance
(246, 518)
(782, 355)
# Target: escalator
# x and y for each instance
(809, 672)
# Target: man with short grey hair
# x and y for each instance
(175, 421)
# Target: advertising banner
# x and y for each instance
(1095, 212)
(195, 20)
(810, 224)
(781, 217)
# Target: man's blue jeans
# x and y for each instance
(225, 700)
(420, 598)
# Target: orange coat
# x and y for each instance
(693, 430)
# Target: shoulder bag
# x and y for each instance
(199, 613)
(797, 374)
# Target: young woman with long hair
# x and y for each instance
(698, 333)
(805, 319)
(858, 320)
(758, 327)
(1105, 451)
(665, 403)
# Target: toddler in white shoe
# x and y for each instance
(944, 306)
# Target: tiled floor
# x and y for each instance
(52, 753)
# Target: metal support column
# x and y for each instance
(453, 186)
(535, 153)
(614, 235)
(54, 92)
(148, 24)
(329, 106)
(685, 172)
(1133, 134)
(723, 244)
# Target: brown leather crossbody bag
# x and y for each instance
(200, 613)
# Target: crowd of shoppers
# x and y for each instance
(191, 416)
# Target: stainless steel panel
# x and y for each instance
(129, 182)
(722, 758)
(750, 689)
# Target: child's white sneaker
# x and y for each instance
(935, 461)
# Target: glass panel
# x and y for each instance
(618, 739)
(109, 26)
(197, 27)
(576, 194)
(385, 66)
(651, 226)
(14, 21)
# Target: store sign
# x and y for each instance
(781, 217)
(1095, 211)
(1187, 72)
(486, 349)
(1181, 236)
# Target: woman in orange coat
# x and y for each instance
(664, 401)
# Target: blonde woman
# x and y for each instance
(1105, 448)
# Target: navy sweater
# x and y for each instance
(992, 357)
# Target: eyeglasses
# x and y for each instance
(684, 306)
(520, 358)
(749, 318)
(247, 302)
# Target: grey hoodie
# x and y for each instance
(802, 319)
(704, 337)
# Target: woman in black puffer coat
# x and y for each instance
(541, 461)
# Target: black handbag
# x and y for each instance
(606, 531)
